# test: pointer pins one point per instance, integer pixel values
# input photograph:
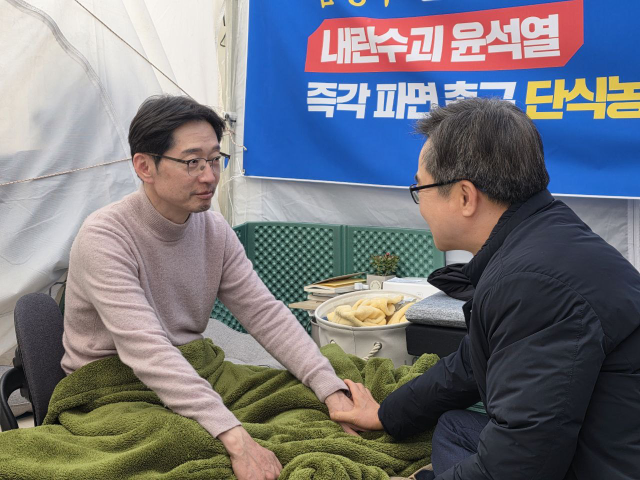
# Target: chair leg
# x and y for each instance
(11, 381)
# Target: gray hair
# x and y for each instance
(488, 141)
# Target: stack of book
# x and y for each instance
(323, 290)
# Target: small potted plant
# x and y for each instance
(383, 268)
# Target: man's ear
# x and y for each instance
(145, 167)
(469, 196)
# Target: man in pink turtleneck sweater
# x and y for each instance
(145, 272)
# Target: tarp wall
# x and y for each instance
(73, 74)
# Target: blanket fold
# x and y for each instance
(103, 423)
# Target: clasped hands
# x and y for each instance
(358, 414)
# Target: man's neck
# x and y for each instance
(484, 225)
(163, 209)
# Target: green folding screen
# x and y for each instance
(288, 256)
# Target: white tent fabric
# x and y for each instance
(73, 75)
(256, 199)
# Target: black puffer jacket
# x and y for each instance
(553, 351)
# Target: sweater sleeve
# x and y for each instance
(271, 323)
(108, 271)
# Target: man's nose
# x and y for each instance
(209, 175)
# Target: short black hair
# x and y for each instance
(152, 128)
(488, 141)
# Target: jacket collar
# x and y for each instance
(509, 220)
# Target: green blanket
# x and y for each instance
(103, 423)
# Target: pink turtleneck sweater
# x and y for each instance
(139, 285)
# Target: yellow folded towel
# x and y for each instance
(370, 312)
(384, 304)
(399, 317)
(363, 316)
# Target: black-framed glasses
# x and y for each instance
(414, 189)
(196, 166)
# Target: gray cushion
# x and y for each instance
(438, 309)
(18, 404)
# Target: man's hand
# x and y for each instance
(249, 460)
(339, 402)
(364, 414)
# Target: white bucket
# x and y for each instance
(361, 341)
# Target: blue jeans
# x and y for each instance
(455, 438)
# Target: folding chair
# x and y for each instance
(36, 372)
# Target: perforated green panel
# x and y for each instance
(418, 255)
(288, 256)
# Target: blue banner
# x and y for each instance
(334, 87)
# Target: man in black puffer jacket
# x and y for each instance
(553, 344)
